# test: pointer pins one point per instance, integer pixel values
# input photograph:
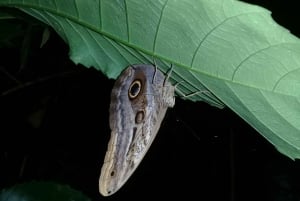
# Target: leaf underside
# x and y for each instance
(234, 50)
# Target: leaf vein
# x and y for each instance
(253, 54)
(211, 31)
(283, 76)
(55, 4)
(77, 10)
(247, 58)
(127, 20)
(100, 15)
(158, 25)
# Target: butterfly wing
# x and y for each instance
(138, 106)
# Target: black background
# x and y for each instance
(55, 128)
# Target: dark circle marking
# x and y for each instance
(139, 117)
(112, 173)
(134, 89)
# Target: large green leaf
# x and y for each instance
(232, 49)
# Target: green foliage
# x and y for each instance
(41, 191)
(231, 49)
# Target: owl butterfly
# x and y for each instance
(139, 100)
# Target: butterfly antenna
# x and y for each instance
(155, 71)
(168, 75)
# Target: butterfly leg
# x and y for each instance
(182, 95)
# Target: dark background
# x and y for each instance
(54, 127)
